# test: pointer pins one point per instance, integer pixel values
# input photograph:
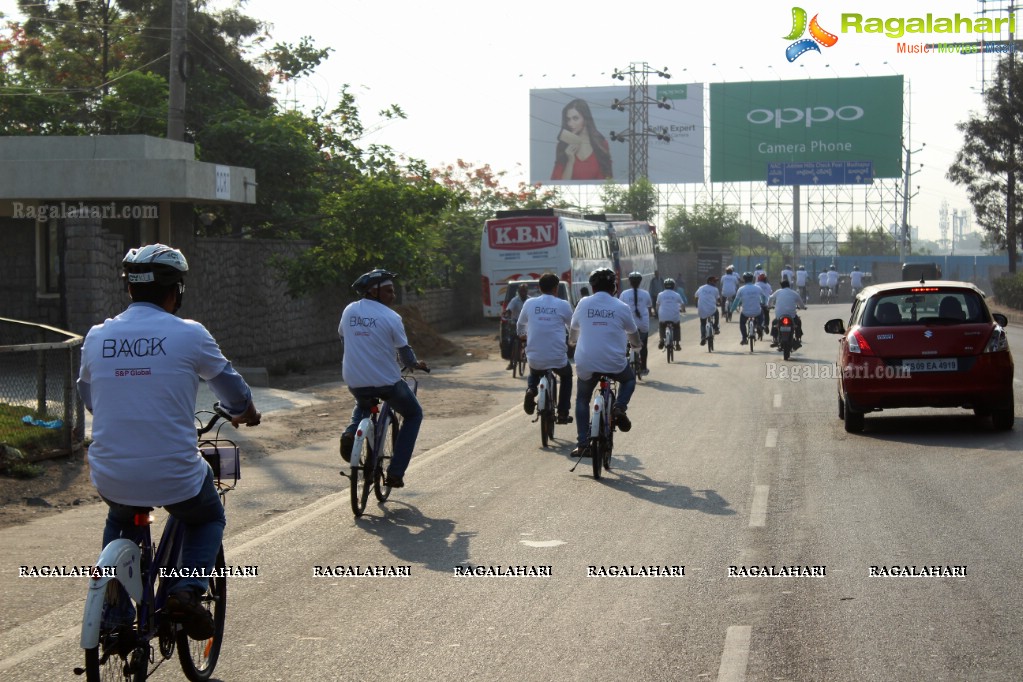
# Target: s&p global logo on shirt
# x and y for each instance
(818, 36)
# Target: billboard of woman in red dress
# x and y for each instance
(582, 152)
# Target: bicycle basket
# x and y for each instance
(224, 457)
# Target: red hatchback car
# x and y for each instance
(923, 344)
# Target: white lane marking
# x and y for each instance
(758, 510)
(735, 657)
(772, 438)
(542, 543)
(777, 400)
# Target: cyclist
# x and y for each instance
(544, 324)
(601, 324)
(640, 302)
(786, 302)
(757, 271)
(707, 306)
(801, 282)
(833, 280)
(730, 283)
(511, 314)
(370, 334)
(670, 304)
(765, 286)
(822, 280)
(787, 275)
(855, 281)
(752, 300)
(144, 452)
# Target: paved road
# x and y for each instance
(735, 462)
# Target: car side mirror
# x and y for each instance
(834, 326)
(1001, 319)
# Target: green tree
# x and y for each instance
(990, 154)
(706, 225)
(638, 199)
(862, 242)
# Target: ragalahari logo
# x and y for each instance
(817, 35)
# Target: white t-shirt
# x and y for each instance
(856, 279)
(764, 287)
(706, 300)
(786, 302)
(757, 273)
(729, 284)
(372, 334)
(604, 325)
(645, 303)
(143, 369)
(800, 278)
(822, 278)
(832, 278)
(786, 276)
(749, 298)
(544, 321)
(669, 306)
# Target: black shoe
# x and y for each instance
(774, 345)
(621, 420)
(347, 443)
(186, 607)
(529, 404)
(581, 451)
(392, 481)
(743, 342)
(660, 345)
(643, 372)
(703, 341)
(678, 347)
(565, 419)
(717, 330)
(511, 365)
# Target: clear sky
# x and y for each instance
(462, 70)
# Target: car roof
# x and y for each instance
(886, 287)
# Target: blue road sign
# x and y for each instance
(820, 173)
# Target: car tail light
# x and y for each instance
(858, 344)
(997, 342)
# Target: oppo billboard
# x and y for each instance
(835, 119)
(570, 134)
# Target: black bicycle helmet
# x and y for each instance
(747, 277)
(635, 278)
(373, 278)
(603, 279)
(669, 283)
(154, 264)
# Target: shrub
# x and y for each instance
(1009, 290)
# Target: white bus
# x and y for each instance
(525, 244)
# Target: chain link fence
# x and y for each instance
(40, 411)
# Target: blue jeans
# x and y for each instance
(202, 518)
(584, 391)
(403, 401)
(564, 385)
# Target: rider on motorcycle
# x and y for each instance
(785, 301)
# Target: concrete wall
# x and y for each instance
(232, 288)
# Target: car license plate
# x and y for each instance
(932, 365)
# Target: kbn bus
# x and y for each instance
(525, 244)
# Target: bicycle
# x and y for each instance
(518, 357)
(636, 360)
(751, 331)
(669, 341)
(373, 449)
(708, 330)
(127, 579)
(726, 307)
(602, 426)
(546, 398)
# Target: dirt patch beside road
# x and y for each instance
(65, 482)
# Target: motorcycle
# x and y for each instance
(787, 341)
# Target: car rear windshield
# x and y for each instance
(927, 305)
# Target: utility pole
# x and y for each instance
(907, 173)
(176, 75)
(638, 103)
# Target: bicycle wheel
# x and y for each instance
(669, 343)
(597, 455)
(546, 427)
(388, 441)
(361, 479)
(199, 658)
(710, 337)
(751, 332)
(116, 657)
(513, 359)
